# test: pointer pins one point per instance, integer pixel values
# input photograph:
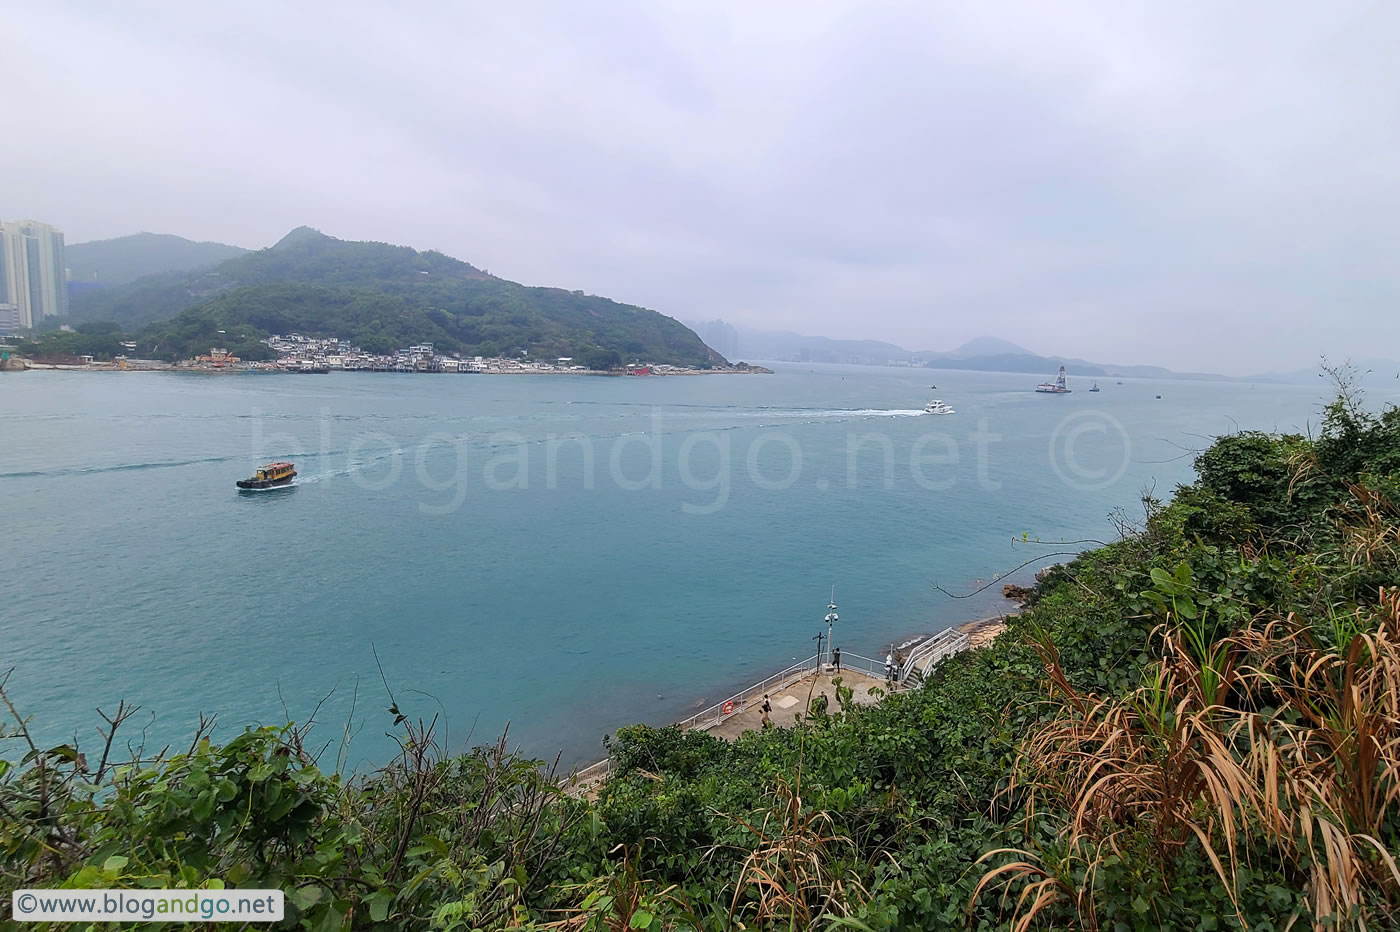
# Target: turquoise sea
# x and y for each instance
(566, 554)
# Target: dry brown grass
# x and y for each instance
(1332, 778)
(1370, 528)
(790, 876)
(1268, 737)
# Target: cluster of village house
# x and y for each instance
(297, 352)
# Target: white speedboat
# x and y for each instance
(937, 407)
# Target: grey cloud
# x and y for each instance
(1129, 182)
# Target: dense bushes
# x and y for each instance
(1193, 727)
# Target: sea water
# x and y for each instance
(566, 554)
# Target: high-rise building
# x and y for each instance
(33, 278)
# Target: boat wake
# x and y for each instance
(120, 467)
(827, 413)
(774, 411)
(311, 479)
(168, 464)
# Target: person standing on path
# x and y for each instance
(836, 658)
(889, 668)
(765, 709)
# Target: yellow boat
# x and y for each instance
(270, 476)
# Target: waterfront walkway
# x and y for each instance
(789, 691)
(791, 701)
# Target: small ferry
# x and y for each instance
(1057, 387)
(937, 407)
(269, 477)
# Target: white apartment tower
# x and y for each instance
(33, 278)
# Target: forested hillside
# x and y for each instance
(383, 297)
(1193, 726)
(110, 262)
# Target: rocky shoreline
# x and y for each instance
(19, 364)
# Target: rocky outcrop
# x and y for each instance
(1016, 593)
(12, 364)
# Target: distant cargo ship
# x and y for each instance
(269, 477)
(1056, 387)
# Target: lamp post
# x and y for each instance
(831, 619)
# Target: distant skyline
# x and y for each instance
(1203, 187)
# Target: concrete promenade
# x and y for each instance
(791, 701)
(788, 700)
(789, 693)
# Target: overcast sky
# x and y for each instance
(1211, 186)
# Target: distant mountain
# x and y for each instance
(1374, 372)
(1033, 364)
(784, 344)
(990, 346)
(1015, 362)
(382, 298)
(983, 353)
(124, 259)
(797, 347)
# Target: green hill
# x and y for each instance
(383, 297)
(112, 262)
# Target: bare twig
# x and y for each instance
(114, 722)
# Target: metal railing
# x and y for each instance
(709, 718)
(589, 774)
(866, 665)
(712, 716)
(924, 655)
(931, 650)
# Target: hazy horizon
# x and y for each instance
(1197, 187)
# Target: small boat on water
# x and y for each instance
(937, 407)
(1056, 387)
(269, 477)
(1095, 388)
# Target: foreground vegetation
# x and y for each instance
(1194, 727)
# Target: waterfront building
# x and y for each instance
(33, 277)
(217, 358)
